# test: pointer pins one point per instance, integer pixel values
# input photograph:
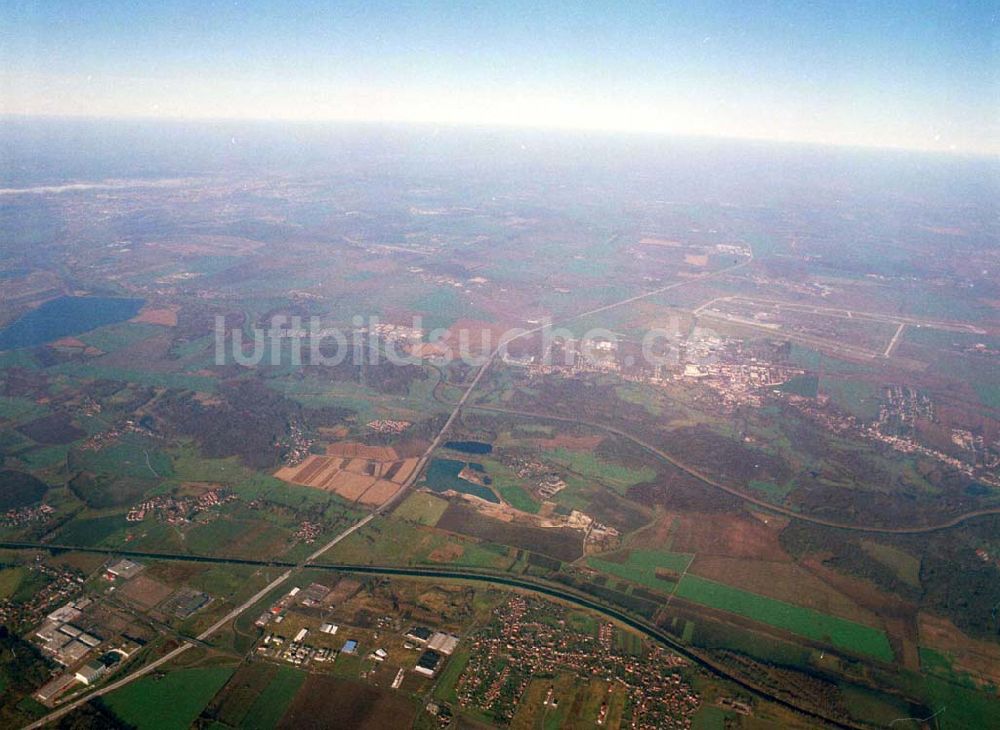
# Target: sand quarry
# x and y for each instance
(369, 475)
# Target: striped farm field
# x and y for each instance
(841, 633)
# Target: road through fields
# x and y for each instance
(385, 508)
(203, 636)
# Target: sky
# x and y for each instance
(912, 74)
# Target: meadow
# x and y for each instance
(640, 567)
(841, 633)
(167, 702)
(269, 707)
(422, 508)
(616, 476)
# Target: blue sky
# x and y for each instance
(915, 74)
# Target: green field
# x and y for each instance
(640, 567)
(116, 336)
(422, 508)
(247, 538)
(271, 704)
(445, 689)
(517, 498)
(903, 564)
(93, 531)
(805, 385)
(618, 477)
(711, 718)
(774, 492)
(857, 397)
(10, 580)
(169, 702)
(398, 542)
(806, 622)
(17, 409)
(180, 381)
(961, 708)
(132, 457)
(45, 456)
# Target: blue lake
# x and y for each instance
(469, 447)
(442, 475)
(64, 317)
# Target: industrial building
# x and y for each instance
(90, 672)
(419, 634)
(443, 643)
(123, 569)
(428, 663)
(53, 689)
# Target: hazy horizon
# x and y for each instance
(913, 76)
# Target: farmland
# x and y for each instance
(846, 635)
(357, 705)
(619, 477)
(562, 544)
(168, 702)
(422, 508)
(646, 567)
(366, 475)
(256, 696)
(801, 490)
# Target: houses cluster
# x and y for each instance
(601, 535)
(106, 438)
(732, 249)
(900, 409)
(294, 445)
(300, 650)
(61, 585)
(526, 466)
(86, 674)
(395, 332)
(309, 641)
(529, 637)
(308, 531)
(739, 382)
(550, 485)
(179, 510)
(24, 515)
(389, 426)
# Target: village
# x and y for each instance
(530, 638)
(179, 510)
